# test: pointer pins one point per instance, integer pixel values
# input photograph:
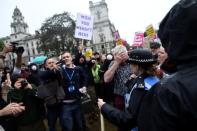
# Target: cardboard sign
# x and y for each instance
(151, 31)
(84, 27)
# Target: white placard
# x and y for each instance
(84, 26)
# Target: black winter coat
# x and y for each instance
(173, 107)
(78, 80)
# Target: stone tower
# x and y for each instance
(21, 35)
(103, 38)
(19, 29)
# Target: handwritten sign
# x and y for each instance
(84, 27)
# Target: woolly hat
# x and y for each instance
(141, 57)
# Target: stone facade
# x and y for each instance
(102, 39)
(103, 30)
(19, 34)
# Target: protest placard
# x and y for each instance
(84, 26)
(138, 39)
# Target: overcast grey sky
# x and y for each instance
(128, 16)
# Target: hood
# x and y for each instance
(177, 32)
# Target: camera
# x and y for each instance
(24, 83)
(6, 70)
(15, 49)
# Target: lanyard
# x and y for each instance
(69, 76)
(128, 95)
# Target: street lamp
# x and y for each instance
(59, 43)
(104, 48)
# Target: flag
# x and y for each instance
(116, 35)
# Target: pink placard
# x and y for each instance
(138, 39)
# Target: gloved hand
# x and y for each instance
(83, 90)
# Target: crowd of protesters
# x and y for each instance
(52, 91)
(145, 89)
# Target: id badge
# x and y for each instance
(71, 88)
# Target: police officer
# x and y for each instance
(142, 62)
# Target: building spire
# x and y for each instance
(18, 25)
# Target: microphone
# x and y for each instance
(60, 62)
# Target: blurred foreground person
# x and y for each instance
(8, 113)
(174, 106)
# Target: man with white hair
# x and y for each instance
(119, 72)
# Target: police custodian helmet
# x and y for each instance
(141, 57)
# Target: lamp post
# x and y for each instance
(59, 44)
(104, 48)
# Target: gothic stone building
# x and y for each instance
(103, 29)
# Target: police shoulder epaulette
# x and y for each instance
(150, 82)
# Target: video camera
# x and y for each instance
(16, 49)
